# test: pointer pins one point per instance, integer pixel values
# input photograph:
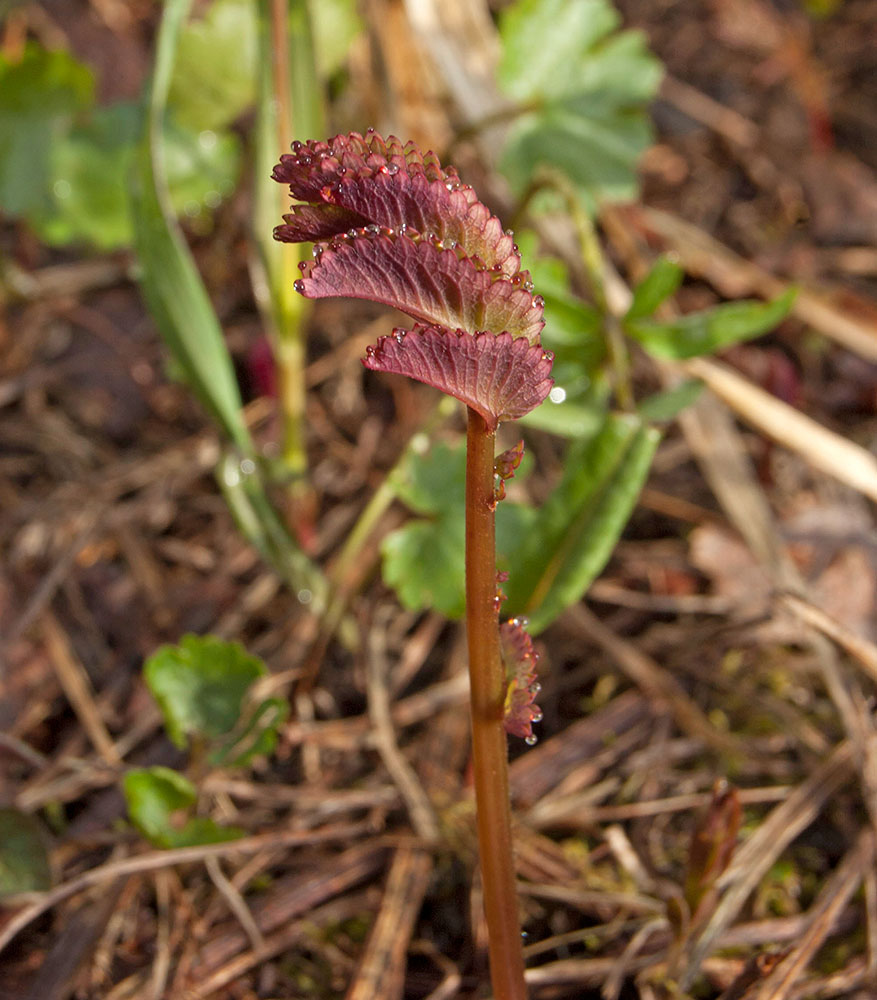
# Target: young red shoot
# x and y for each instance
(392, 225)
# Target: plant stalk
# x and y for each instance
(489, 746)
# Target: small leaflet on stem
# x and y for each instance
(520, 659)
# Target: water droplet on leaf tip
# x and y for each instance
(370, 130)
(509, 232)
(537, 716)
(299, 285)
(538, 301)
(535, 687)
(531, 740)
(392, 168)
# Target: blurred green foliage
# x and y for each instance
(583, 89)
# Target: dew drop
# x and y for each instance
(370, 130)
(372, 229)
(302, 264)
(296, 145)
(299, 286)
(351, 233)
(383, 169)
(342, 171)
(537, 716)
(528, 285)
(509, 232)
(531, 740)
(392, 168)
(538, 301)
(535, 687)
(403, 229)
(248, 467)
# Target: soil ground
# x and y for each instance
(731, 638)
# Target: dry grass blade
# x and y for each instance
(77, 687)
(823, 915)
(419, 807)
(382, 970)
(835, 455)
(155, 860)
(759, 852)
(859, 648)
(654, 682)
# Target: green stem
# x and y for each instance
(489, 746)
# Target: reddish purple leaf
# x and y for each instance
(317, 223)
(499, 376)
(433, 284)
(392, 225)
(390, 185)
(520, 658)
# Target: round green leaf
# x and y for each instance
(200, 685)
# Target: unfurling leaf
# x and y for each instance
(393, 226)
(356, 180)
(520, 658)
(712, 846)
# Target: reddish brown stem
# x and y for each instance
(489, 746)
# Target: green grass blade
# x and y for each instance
(171, 284)
(574, 534)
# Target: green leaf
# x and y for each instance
(170, 281)
(214, 76)
(39, 95)
(24, 860)
(432, 482)
(423, 561)
(336, 24)
(256, 736)
(585, 90)
(200, 686)
(91, 168)
(159, 800)
(669, 404)
(577, 405)
(577, 528)
(710, 330)
(658, 285)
